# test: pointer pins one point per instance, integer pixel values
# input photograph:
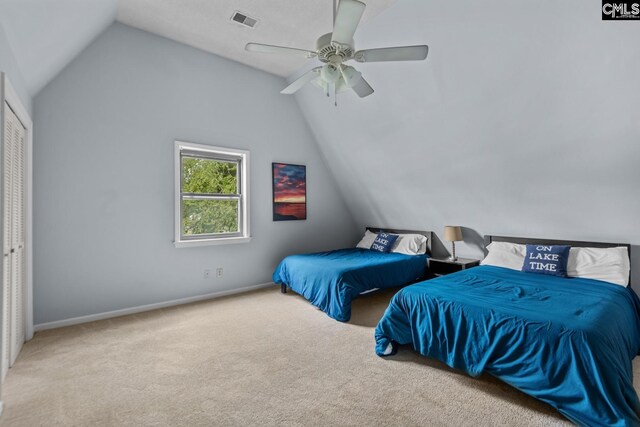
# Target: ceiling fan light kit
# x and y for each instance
(333, 49)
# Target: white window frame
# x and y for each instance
(210, 151)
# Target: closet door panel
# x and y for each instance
(17, 240)
(7, 171)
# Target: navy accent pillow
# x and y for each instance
(384, 242)
(547, 259)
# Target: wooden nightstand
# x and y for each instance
(444, 266)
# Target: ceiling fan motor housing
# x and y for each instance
(333, 53)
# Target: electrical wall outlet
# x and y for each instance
(206, 274)
(219, 272)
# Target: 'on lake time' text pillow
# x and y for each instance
(547, 259)
(384, 242)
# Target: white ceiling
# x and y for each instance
(45, 35)
(207, 25)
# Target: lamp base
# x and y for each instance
(453, 256)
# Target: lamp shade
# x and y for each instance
(452, 233)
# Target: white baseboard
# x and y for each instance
(142, 308)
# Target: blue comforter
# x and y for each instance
(567, 342)
(330, 280)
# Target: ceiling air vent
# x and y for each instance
(244, 19)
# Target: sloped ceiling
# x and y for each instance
(207, 25)
(520, 122)
(45, 35)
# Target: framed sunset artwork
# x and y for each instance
(289, 192)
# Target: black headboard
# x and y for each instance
(576, 243)
(427, 234)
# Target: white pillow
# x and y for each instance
(506, 255)
(367, 240)
(410, 244)
(606, 264)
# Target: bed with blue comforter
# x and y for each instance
(331, 280)
(566, 341)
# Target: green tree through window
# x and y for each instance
(210, 196)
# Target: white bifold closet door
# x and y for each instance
(13, 247)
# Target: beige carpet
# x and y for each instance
(260, 358)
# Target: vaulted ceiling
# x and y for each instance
(207, 25)
(46, 35)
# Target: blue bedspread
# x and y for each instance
(568, 342)
(331, 280)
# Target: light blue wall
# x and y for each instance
(524, 120)
(9, 66)
(103, 192)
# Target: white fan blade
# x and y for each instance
(362, 88)
(301, 81)
(347, 20)
(267, 48)
(350, 76)
(403, 53)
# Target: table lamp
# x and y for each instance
(453, 234)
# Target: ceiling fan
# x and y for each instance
(336, 48)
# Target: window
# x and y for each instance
(212, 195)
